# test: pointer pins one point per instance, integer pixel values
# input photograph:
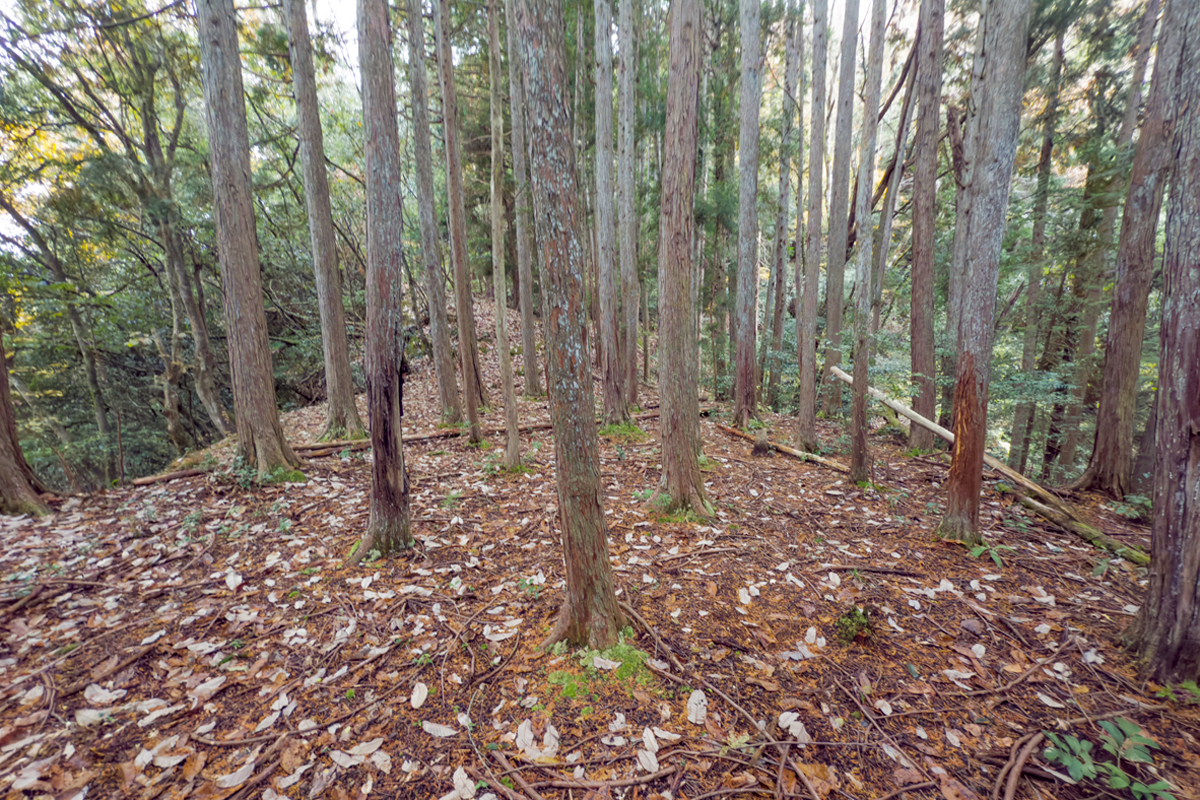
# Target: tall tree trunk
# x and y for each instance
(954, 118)
(18, 485)
(1110, 467)
(1167, 629)
(1022, 417)
(627, 220)
(924, 202)
(883, 234)
(611, 371)
(806, 319)
(431, 249)
(389, 528)
(341, 417)
(790, 107)
(468, 351)
(260, 437)
(590, 616)
(990, 146)
(839, 205)
(512, 439)
(745, 387)
(523, 219)
(681, 487)
(860, 457)
(1086, 368)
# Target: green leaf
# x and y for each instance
(1117, 778)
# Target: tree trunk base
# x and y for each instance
(394, 540)
(958, 529)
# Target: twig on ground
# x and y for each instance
(1018, 767)
(628, 609)
(518, 777)
(912, 787)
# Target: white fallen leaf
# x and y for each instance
(441, 731)
(233, 580)
(649, 740)
(1050, 701)
(345, 760)
(978, 650)
(613, 740)
(267, 722)
(952, 737)
(294, 778)
(618, 724)
(235, 779)
(154, 637)
(382, 761)
(835, 580)
(366, 748)
(206, 690)
(463, 785)
(697, 708)
(790, 721)
(99, 696)
(958, 676)
(647, 760)
(666, 736)
(604, 663)
(153, 716)
(884, 706)
(744, 596)
(419, 693)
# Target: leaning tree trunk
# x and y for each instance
(389, 528)
(924, 202)
(611, 372)
(990, 147)
(341, 415)
(839, 205)
(431, 249)
(590, 616)
(860, 457)
(522, 213)
(1086, 368)
(745, 386)
(260, 436)
(627, 221)
(1023, 416)
(512, 439)
(679, 422)
(1110, 467)
(1167, 629)
(18, 485)
(806, 321)
(468, 351)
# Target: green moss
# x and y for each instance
(633, 663)
(283, 474)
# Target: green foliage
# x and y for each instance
(993, 550)
(624, 432)
(854, 624)
(1125, 741)
(1136, 507)
(451, 500)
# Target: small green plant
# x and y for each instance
(992, 550)
(854, 624)
(424, 660)
(1125, 741)
(530, 588)
(643, 494)
(349, 694)
(285, 525)
(623, 432)
(1137, 508)
(1189, 693)
(452, 499)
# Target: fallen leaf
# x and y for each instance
(770, 686)
(434, 729)
(419, 692)
(1050, 701)
(697, 707)
(647, 760)
(953, 790)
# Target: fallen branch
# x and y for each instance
(167, 476)
(788, 451)
(1051, 506)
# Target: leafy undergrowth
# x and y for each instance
(198, 638)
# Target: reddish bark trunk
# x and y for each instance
(18, 486)
(745, 387)
(806, 320)
(589, 616)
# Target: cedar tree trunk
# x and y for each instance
(389, 528)
(806, 319)
(18, 485)
(745, 386)
(611, 372)
(590, 616)
(627, 220)
(990, 146)
(341, 418)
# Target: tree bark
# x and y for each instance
(260, 437)
(18, 485)
(522, 214)
(924, 214)
(590, 616)
(611, 370)
(893, 176)
(389, 528)
(1166, 631)
(681, 487)
(341, 416)
(468, 350)
(839, 205)
(1019, 439)
(745, 387)
(1087, 369)
(860, 457)
(789, 107)
(512, 439)
(990, 144)
(431, 249)
(1110, 467)
(806, 320)
(627, 220)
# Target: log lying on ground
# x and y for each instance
(167, 476)
(1048, 505)
(789, 451)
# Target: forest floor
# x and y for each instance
(202, 638)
